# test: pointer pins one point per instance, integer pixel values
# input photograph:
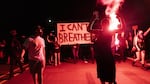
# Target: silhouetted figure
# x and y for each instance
(122, 46)
(2, 52)
(50, 38)
(106, 69)
(75, 51)
(130, 45)
(57, 52)
(14, 50)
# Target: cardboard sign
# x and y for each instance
(73, 33)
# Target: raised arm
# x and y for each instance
(47, 38)
(147, 31)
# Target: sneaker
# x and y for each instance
(55, 64)
(86, 62)
(143, 67)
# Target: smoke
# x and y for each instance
(112, 7)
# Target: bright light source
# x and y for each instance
(49, 20)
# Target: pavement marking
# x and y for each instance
(3, 81)
(16, 74)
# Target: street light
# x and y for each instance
(49, 20)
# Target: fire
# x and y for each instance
(114, 22)
(112, 7)
(116, 39)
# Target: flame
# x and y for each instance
(114, 22)
(112, 7)
(116, 39)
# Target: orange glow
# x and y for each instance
(111, 11)
(114, 22)
(116, 39)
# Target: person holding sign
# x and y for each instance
(57, 52)
(75, 51)
(50, 38)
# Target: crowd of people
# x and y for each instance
(113, 46)
(107, 48)
(39, 51)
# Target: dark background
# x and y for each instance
(24, 14)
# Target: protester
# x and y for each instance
(14, 51)
(139, 44)
(75, 51)
(106, 69)
(35, 46)
(57, 60)
(50, 38)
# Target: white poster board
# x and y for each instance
(73, 33)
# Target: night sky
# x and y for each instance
(24, 14)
